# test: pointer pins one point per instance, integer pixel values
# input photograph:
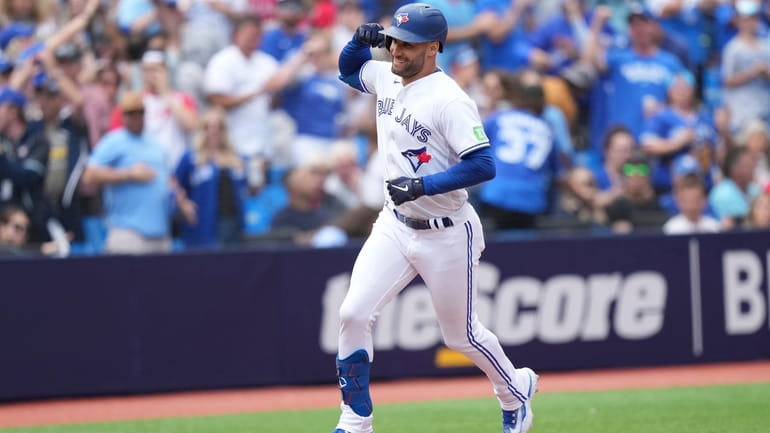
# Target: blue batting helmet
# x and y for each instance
(417, 22)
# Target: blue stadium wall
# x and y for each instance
(119, 325)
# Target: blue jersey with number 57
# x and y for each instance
(526, 160)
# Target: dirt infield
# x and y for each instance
(278, 398)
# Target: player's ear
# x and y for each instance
(433, 48)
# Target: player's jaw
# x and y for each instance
(408, 59)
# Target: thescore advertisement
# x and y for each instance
(114, 325)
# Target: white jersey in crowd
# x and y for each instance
(423, 128)
(680, 225)
(160, 124)
(230, 73)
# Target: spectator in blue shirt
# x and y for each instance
(637, 78)
(288, 36)
(131, 169)
(679, 130)
(563, 36)
(504, 26)
(213, 176)
(525, 155)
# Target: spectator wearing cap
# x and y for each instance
(687, 21)
(746, 70)
(235, 79)
(24, 153)
(170, 116)
(291, 32)
(16, 36)
(66, 133)
(38, 14)
(132, 171)
(637, 77)
(680, 130)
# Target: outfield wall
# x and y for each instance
(114, 325)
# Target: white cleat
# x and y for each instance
(520, 420)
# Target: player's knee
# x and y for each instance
(352, 318)
(458, 344)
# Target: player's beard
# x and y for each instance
(410, 68)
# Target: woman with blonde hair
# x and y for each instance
(213, 176)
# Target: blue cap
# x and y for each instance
(42, 81)
(685, 75)
(685, 165)
(10, 96)
(639, 10)
(15, 30)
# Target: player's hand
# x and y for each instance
(404, 189)
(369, 34)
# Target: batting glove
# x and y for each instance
(369, 34)
(404, 189)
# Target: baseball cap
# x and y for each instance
(14, 30)
(154, 57)
(685, 75)
(131, 101)
(746, 8)
(11, 96)
(639, 10)
(42, 82)
(685, 165)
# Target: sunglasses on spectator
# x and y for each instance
(636, 170)
(133, 112)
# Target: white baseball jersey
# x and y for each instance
(423, 128)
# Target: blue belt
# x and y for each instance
(418, 224)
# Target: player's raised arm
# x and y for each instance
(357, 52)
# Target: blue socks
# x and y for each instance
(353, 376)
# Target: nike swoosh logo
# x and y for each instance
(400, 188)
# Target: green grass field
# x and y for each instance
(715, 409)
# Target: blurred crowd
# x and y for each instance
(140, 126)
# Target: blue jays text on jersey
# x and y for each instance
(413, 127)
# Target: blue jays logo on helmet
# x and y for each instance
(417, 157)
(417, 22)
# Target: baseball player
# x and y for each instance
(433, 145)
